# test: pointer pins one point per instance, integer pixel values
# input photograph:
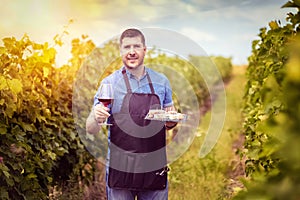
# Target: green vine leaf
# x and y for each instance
(15, 85)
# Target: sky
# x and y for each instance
(219, 27)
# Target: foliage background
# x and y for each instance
(42, 130)
(42, 148)
(271, 109)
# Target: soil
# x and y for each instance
(236, 170)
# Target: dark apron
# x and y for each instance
(137, 146)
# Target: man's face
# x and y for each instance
(133, 52)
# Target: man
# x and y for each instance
(137, 157)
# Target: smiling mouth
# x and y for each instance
(132, 58)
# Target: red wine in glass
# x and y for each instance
(105, 102)
(105, 96)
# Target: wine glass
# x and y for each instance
(105, 96)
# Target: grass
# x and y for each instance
(195, 178)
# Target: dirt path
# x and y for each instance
(236, 169)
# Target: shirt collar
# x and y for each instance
(132, 76)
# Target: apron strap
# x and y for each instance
(126, 81)
(150, 84)
(128, 84)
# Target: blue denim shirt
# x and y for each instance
(160, 83)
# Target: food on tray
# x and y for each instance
(165, 115)
(155, 114)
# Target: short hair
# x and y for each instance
(132, 32)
